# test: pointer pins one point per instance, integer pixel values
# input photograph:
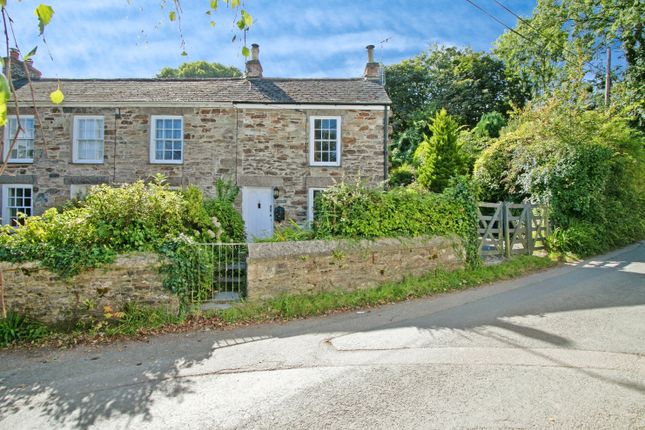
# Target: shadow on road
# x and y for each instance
(156, 368)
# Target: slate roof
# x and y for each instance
(255, 90)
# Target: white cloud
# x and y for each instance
(103, 38)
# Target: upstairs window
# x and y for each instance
(16, 199)
(324, 141)
(167, 140)
(23, 149)
(88, 139)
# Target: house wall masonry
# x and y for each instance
(43, 295)
(319, 265)
(274, 151)
(251, 146)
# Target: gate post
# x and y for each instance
(529, 228)
(507, 232)
(547, 224)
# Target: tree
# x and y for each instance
(439, 157)
(490, 124)
(464, 82)
(474, 142)
(562, 35)
(200, 69)
(587, 165)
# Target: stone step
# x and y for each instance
(221, 300)
(226, 296)
(213, 306)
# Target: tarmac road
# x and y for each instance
(563, 348)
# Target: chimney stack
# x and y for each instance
(372, 69)
(253, 66)
(18, 67)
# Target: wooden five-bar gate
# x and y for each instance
(510, 228)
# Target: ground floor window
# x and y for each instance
(314, 194)
(79, 191)
(16, 199)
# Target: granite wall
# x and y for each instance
(320, 265)
(251, 147)
(43, 295)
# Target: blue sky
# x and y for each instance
(298, 38)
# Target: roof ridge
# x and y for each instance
(195, 90)
(229, 78)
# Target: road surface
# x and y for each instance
(559, 349)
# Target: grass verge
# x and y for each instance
(440, 281)
(137, 322)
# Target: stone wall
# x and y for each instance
(43, 295)
(315, 266)
(252, 147)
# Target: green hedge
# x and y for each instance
(354, 211)
(109, 221)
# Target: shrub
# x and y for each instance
(354, 211)
(111, 220)
(185, 268)
(439, 157)
(289, 233)
(222, 207)
(402, 175)
(19, 328)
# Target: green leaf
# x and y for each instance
(241, 25)
(172, 15)
(248, 19)
(5, 94)
(213, 4)
(31, 53)
(44, 14)
(212, 23)
(3, 3)
(184, 53)
(246, 52)
(235, 3)
(57, 96)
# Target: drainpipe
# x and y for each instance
(117, 116)
(385, 151)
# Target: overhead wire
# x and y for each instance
(540, 33)
(490, 15)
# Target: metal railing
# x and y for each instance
(218, 272)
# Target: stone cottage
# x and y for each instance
(280, 140)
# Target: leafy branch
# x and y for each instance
(243, 21)
(7, 88)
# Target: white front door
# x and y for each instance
(257, 211)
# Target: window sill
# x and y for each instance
(20, 162)
(168, 162)
(88, 162)
(324, 165)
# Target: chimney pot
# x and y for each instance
(372, 68)
(253, 66)
(370, 53)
